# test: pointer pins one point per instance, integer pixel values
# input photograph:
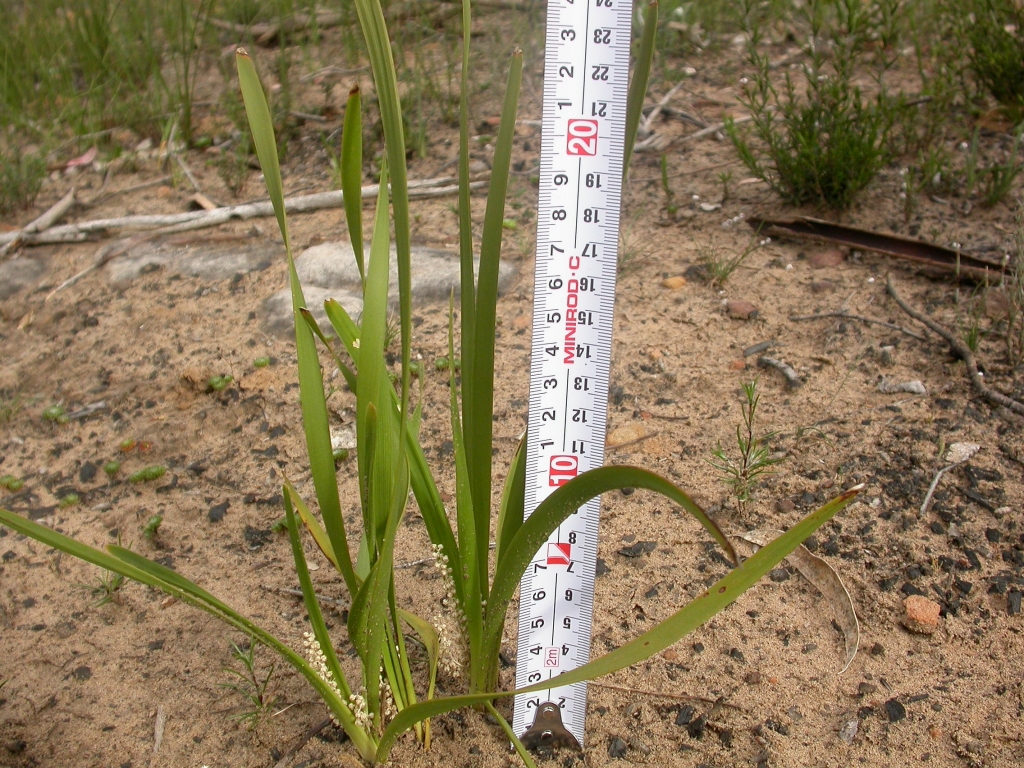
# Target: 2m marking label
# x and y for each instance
(586, 76)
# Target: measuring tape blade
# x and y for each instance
(586, 78)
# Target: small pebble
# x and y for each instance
(741, 310)
(784, 506)
(921, 615)
(1013, 602)
(779, 575)
(737, 365)
(895, 710)
(833, 257)
(849, 731)
(617, 748)
(674, 283)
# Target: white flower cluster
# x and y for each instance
(318, 660)
(453, 654)
(357, 703)
(388, 709)
(729, 223)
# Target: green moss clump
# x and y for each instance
(11, 483)
(219, 383)
(56, 414)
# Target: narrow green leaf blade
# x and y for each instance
(479, 381)
(352, 174)
(639, 81)
(513, 502)
(677, 626)
(262, 126)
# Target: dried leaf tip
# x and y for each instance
(241, 52)
(354, 90)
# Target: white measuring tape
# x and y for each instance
(586, 78)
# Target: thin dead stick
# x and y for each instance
(792, 377)
(675, 696)
(103, 255)
(188, 173)
(179, 222)
(961, 350)
(298, 593)
(645, 125)
(101, 198)
(301, 742)
(691, 172)
(713, 129)
(632, 442)
(54, 214)
(843, 313)
(158, 727)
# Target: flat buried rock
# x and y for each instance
(18, 274)
(277, 309)
(435, 273)
(210, 261)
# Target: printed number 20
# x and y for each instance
(582, 138)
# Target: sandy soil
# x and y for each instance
(759, 685)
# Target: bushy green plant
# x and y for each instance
(21, 176)
(995, 31)
(385, 700)
(824, 142)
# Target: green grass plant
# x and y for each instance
(21, 176)
(249, 684)
(383, 698)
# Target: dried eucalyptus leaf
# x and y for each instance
(825, 580)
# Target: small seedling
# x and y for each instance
(112, 468)
(509, 224)
(55, 414)
(148, 474)
(11, 483)
(720, 267)
(219, 383)
(9, 408)
(340, 455)
(106, 588)
(127, 446)
(280, 525)
(999, 178)
(261, 362)
(755, 454)
(152, 527)
(249, 686)
(69, 500)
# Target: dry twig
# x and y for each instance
(844, 314)
(792, 377)
(183, 222)
(55, 213)
(961, 350)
